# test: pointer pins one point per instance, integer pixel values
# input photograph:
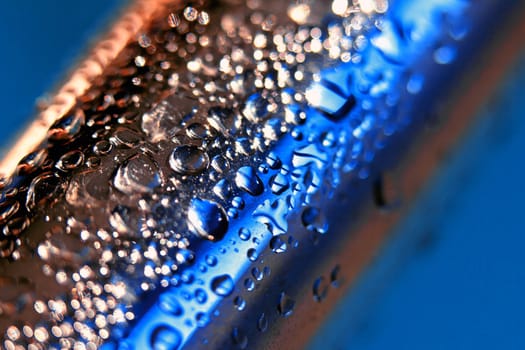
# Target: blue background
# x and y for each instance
(455, 280)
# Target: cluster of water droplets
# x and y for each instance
(210, 117)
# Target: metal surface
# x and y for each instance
(211, 182)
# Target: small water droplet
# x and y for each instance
(320, 289)
(200, 295)
(239, 338)
(335, 276)
(262, 323)
(239, 303)
(445, 55)
(249, 284)
(278, 245)
(273, 160)
(252, 254)
(244, 234)
(286, 305)
(222, 285)
(279, 183)
(257, 273)
(207, 219)
(313, 219)
(202, 319)
(211, 260)
(190, 13)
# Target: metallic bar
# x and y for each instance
(214, 178)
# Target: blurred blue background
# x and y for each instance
(40, 42)
(459, 283)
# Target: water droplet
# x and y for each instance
(43, 190)
(273, 215)
(185, 256)
(188, 160)
(123, 221)
(243, 145)
(220, 164)
(313, 219)
(71, 160)
(249, 284)
(202, 319)
(125, 138)
(257, 274)
(222, 285)
(203, 18)
(252, 254)
(286, 305)
(168, 303)
(262, 323)
(239, 338)
(445, 55)
(198, 131)
(67, 127)
(222, 189)
(256, 108)
(309, 154)
(335, 276)
(190, 13)
(200, 295)
(138, 174)
(211, 260)
(207, 219)
(239, 303)
(246, 179)
(279, 183)
(278, 245)
(244, 234)
(8, 208)
(165, 338)
(173, 20)
(320, 289)
(273, 161)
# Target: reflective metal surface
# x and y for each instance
(203, 181)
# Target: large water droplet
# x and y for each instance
(165, 338)
(207, 219)
(44, 189)
(188, 160)
(246, 179)
(222, 285)
(138, 174)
